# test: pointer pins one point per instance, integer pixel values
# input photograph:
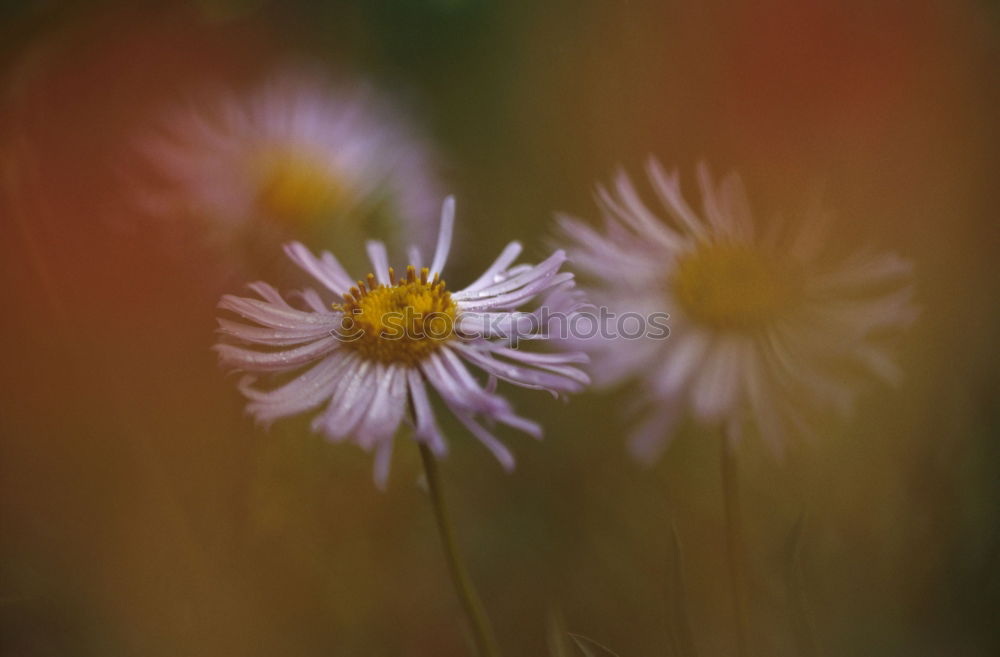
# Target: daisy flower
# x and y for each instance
(767, 327)
(294, 153)
(372, 350)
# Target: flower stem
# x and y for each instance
(479, 622)
(735, 550)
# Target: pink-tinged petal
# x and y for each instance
(312, 299)
(326, 270)
(357, 399)
(574, 374)
(379, 259)
(348, 400)
(600, 249)
(426, 424)
(628, 261)
(682, 361)
(334, 268)
(856, 318)
(386, 409)
(460, 373)
(865, 270)
(456, 386)
(415, 257)
(306, 384)
(303, 393)
(237, 358)
(544, 374)
(268, 314)
(668, 188)
(540, 359)
(522, 424)
(613, 362)
(491, 442)
(516, 298)
(793, 365)
(268, 293)
(444, 236)
(523, 376)
(544, 269)
(270, 336)
(516, 270)
(503, 261)
(638, 216)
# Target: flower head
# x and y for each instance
(373, 349)
(294, 154)
(765, 327)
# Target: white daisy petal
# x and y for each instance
(415, 257)
(326, 269)
(668, 187)
(386, 409)
(379, 258)
(249, 360)
(350, 403)
(686, 355)
(546, 268)
(503, 261)
(426, 424)
(444, 236)
(270, 336)
(279, 317)
(303, 393)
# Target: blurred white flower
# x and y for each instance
(372, 349)
(295, 153)
(765, 326)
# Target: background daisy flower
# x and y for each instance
(767, 326)
(295, 155)
(372, 350)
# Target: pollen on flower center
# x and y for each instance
(403, 322)
(730, 286)
(297, 186)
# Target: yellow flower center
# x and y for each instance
(730, 286)
(403, 322)
(296, 186)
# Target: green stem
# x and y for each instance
(735, 550)
(479, 622)
(802, 623)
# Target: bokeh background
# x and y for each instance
(141, 513)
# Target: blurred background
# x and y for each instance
(141, 513)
